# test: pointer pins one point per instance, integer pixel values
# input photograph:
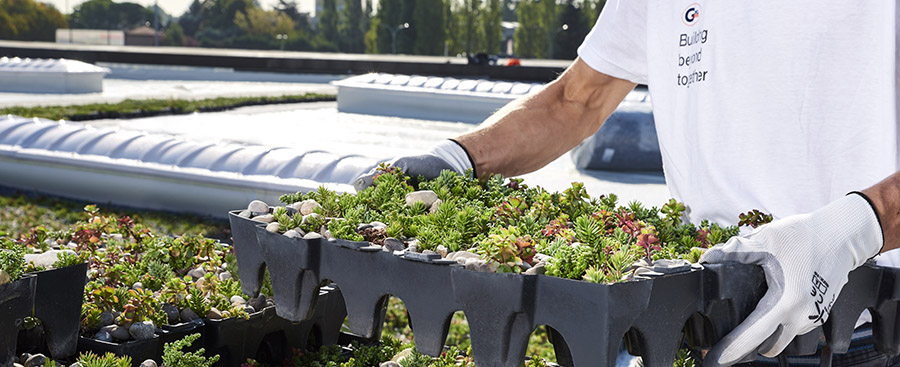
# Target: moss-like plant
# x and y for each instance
(12, 261)
(175, 356)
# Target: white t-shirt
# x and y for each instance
(781, 106)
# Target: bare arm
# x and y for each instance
(885, 195)
(531, 132)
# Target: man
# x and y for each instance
(785, 106)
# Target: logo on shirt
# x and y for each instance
(691, 14)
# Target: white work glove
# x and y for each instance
(446, 155)
(806, 259)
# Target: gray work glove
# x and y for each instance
(806, 259)
(447, 155)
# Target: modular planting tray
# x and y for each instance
(588, 321)
(16, 302)
(57, 303)
(267, 334)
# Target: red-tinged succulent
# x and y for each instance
(754, 218)
(512, 208)
(648, 239)
(703, 237)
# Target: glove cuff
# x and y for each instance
(849, 226)
(877, 217)
(455, 155)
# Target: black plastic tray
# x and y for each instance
(268, 338)
(57, 303)
(250, 260)
(588, 321)
(16, 301)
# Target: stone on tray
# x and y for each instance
(461, 256)
(237, 300)
(292, 234)
(258, 206)
(142, 330)
(107, 318)
(265, 218)
(197, 272)
(4, 277)
(46, 259)
(258, 303)
(426, 197)
(35, 361)
(148, 363)
(312, 236)
(117, 332)
(392, 244)
(245, 214)
(103, 336)
(171, 313)
(214, 314)
(307, 207)
(188, 314)
(441, 250)
(537, 269)
(434, 206)
(273, 227)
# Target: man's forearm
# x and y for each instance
(885, 195)
(531, 132)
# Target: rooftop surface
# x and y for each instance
(309, 126)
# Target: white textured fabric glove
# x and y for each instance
(806, 259)
(446, 155)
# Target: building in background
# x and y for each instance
(141, 36)
(91, 37)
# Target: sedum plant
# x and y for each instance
(514, 227)
(89, 359)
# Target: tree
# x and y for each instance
(493, 30)
(173, 36)
(592, 9)
(428, 22)
(529, 37)
(106, 14)
(470, 16)
(258, 22)
(575, 21)
(352, 27)
(28, 20)
(190, 20)
(389, 16)
(537, 19)
(328, 22)
(219, 14)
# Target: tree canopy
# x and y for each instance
(28, 20)
(546, 28)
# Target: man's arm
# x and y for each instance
(885, 197)
(526, 134)
(531, 132)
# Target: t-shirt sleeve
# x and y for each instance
(617, 45)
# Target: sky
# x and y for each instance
(174, 7)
